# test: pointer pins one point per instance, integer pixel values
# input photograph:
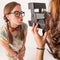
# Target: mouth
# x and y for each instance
(21, 20)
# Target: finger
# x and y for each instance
(36, 27)
(33, 27)
(45, 35)
(33, 24)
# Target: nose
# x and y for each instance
(21, 15)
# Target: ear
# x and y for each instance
(7, 16)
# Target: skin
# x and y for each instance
(14, 22)
(40, 41)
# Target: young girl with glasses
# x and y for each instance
(13, 35)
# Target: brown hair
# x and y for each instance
(7, 9)
(52, 24)
(53, 16)
(55, 6)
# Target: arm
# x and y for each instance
(7, 48)
(39, 54)
(21, 53)
(40, 41)
(22, 50)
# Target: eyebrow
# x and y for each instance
(15, 10)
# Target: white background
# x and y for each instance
(30, 43)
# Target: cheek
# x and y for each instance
(13, 19)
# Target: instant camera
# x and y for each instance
(37, 14)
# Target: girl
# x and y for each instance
(52, 34)
(13, 36)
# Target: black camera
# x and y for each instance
(38, 11)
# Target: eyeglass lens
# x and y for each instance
(17, 13)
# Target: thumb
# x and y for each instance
(45, 35)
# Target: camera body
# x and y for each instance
(37, 14)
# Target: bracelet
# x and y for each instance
(40, 48)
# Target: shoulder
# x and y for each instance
(24, 26)
(3, 33)
(2, 29)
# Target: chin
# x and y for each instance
(20, 23)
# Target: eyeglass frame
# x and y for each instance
(20, 13)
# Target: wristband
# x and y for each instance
(40, 48)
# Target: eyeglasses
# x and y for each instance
(17, 13)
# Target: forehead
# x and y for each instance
(17, 8)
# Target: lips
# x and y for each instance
(20, 20)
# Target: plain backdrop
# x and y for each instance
(30, 53)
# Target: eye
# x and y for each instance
(17, 13)
(22, 13)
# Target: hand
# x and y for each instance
(21, 53)
(40, 40)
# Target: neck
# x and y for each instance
(12, 26)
